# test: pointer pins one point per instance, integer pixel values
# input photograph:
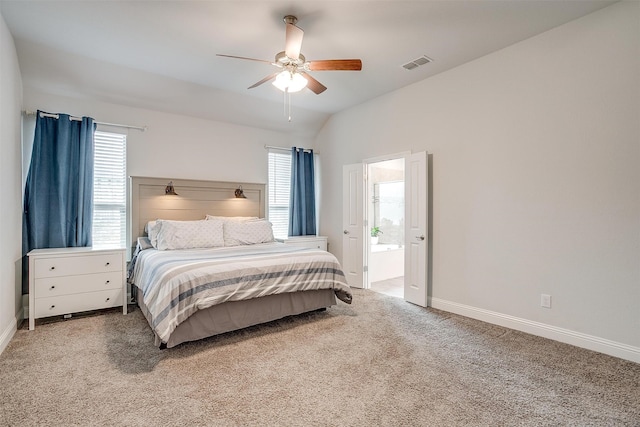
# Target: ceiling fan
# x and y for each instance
(294, 75)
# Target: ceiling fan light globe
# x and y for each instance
(282, 80)
(297, 83)
(288, 81)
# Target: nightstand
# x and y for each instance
(315, 242)
(70, 280)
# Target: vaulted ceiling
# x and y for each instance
(161, 55)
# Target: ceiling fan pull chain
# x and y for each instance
(289, 96)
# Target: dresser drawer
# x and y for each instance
(65, 266)
(64, 285)
(64, 304)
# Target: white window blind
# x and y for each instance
(279, 190)
(109, 190)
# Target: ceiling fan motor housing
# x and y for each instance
(283, 60)
(290, 19)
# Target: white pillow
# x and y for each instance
(148, 226)
(247, 232)
(231, 218)
(189, 234)
(152, 229)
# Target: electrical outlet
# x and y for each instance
(545, 300)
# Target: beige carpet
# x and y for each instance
(380, 361)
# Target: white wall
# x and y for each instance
(174, 146)
(10, 177)
(536, 177)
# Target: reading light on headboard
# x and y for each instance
(240, 193)
(169, 190)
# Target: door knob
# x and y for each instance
(346, 231)
(420, 237)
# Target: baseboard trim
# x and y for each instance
(8, 333)
(567, 336)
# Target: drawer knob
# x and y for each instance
(53, 267)
(107, 299)
(53, 306)
(107, 282)
(107, 264)
(52, 287)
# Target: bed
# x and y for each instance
(189, 293)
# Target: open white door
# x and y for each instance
(416, 239)
(353, 224)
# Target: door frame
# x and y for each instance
(360, 213)
(367, 206)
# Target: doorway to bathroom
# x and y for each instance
(358, 219)
(385, 213)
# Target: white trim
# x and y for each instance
(8, 333)
(567, 336)
(394, 156)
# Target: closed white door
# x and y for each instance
(353, 224)
(416, 228)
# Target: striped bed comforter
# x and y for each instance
(175, 284)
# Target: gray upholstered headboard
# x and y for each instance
(194, 201)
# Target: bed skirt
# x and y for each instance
(234, 315)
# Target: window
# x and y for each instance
(279, 190)
(109, 190)
(388, 211)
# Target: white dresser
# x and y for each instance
(71, 280)
(316, 242)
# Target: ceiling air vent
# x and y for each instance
(417, 62)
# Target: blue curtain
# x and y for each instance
(58, 196)
(302, 203)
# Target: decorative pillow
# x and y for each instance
(231, 218)
(189, 234)
(247, 232)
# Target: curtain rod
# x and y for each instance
(79, 119)
(271, 147)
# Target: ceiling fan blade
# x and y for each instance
(293, 41)
(315, 86)
(266, 79)
(242, 57)
(335, 65)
